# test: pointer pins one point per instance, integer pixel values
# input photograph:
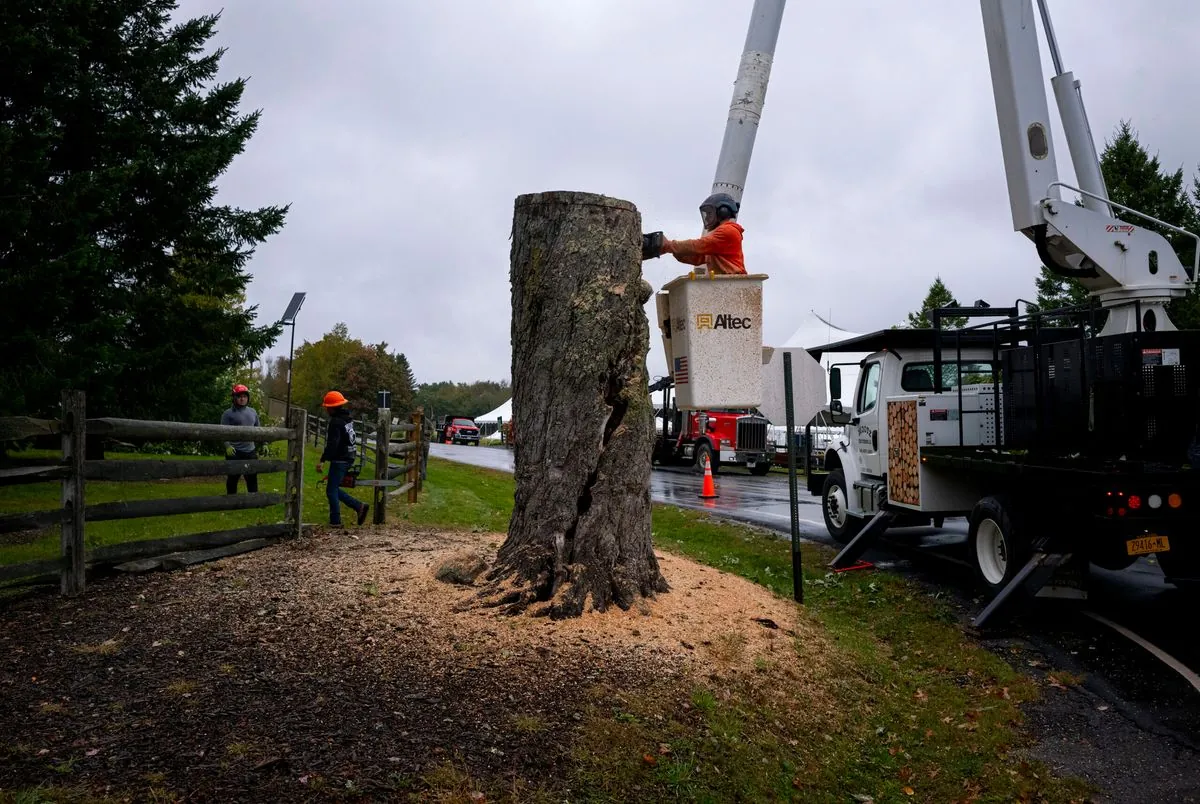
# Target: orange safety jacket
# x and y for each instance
(720, 249)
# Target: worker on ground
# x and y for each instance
(241, 415)
(720, 247)
(340, 451)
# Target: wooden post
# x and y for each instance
(294, 491)
(74, 435)
(383, 437)
(414, 457)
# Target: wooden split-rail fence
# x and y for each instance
(74, 470)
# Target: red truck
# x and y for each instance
(727, 437)
(459, 430)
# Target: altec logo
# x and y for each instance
(721, 321)
(1123, 228)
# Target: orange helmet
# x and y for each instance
(333, 399)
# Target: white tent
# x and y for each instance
(502, 412)
(488, 422)
(817, 331)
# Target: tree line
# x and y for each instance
(359, 370)
(1135, 179)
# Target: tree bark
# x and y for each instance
(580, 528)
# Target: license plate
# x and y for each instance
(1147, 544)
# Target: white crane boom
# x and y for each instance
(1133, 271)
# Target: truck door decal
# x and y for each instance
(904, 477)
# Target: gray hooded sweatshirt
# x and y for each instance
(242, 417)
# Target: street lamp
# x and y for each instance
(289, 319)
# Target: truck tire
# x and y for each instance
(841, 524)
(702, 450)
(760, 469)
(997, 545)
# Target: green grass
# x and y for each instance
(16, 548)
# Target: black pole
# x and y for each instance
(291, 346)
(797, 573)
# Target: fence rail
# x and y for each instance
(73, 471)
(382, 439)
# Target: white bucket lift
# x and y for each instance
(712, 336)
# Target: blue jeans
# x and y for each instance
(337, 494)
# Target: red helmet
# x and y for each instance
(241, 389)
(333, 399)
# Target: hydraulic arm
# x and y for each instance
(1133, 270)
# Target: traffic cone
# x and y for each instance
(709, 491)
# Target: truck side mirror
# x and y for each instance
(835, 383)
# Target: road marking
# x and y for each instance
(1166, 658)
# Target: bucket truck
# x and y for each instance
(1062, 446)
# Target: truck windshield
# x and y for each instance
(919, 376)
(463, 423)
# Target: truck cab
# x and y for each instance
(730, 437)
(854, 484)
(460, 430)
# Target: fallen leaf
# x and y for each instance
(908, 791)
(921, 695)
(663, 748)
(928, 733)
(649, 759)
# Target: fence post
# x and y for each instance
(74, 438)
(294, 493)
(414, 454)
(383, 439)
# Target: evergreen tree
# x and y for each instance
(938, 296)
(118, 273)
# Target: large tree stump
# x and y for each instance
(580, 528)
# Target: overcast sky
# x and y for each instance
(401, 131)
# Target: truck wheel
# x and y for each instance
(996, 546)
(760, 469)
(701, 451)
(841, 524)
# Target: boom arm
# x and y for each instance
(1131, 269)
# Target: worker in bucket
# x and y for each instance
(340, 444)
(719, 248)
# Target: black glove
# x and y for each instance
(652, 245)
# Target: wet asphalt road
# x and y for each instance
(1132, 726)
